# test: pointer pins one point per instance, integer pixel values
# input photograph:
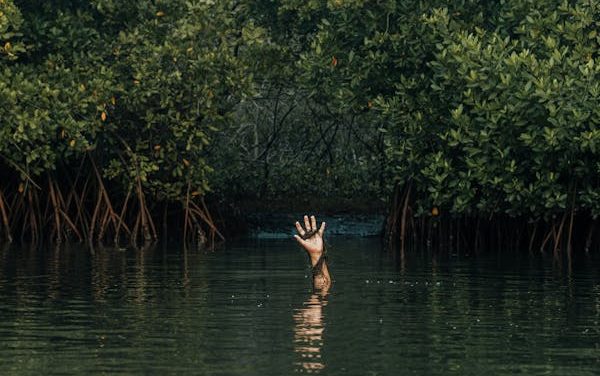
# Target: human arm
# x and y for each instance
(311, 239)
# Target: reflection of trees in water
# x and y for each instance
(308, 333)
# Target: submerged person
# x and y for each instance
(311, 239)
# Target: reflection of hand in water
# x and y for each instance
(311, 239)
(308, 332)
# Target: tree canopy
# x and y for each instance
(475, 109)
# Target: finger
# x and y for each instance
(322, 229)
(307, 223)
(313, 223)
(299, 229)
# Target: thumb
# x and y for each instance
(300, 240)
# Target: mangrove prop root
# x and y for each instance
(135, 229)
(392, 218)
(403, 220)
(203, 215)
(121, 224)
(82, 218)
(94, 216)
(151, 222)
(532, 239)
(186, 221)
(569, 231)
(194, 215)
(547, 238)
(5, 220)
(104, 194)
(588, 239)
(89, 210)
(103, 225)
(559, 233)
(63, 210)
(570, 234)
(57, 225)
(212, 223)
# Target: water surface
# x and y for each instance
(249, 309)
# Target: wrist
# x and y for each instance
(314, 258)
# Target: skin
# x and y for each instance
(314, 246)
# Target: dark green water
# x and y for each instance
(249, 309)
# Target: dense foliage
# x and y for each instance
(487, 109)
(472, 110)
(512, 125)
(126, 92)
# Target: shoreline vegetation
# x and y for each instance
(472, 125)
(83, 207)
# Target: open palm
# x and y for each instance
(311, 238)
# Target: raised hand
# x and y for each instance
(311, 238)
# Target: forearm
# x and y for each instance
(320, 271)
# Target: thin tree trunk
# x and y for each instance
(5, 220)
(403, 219)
